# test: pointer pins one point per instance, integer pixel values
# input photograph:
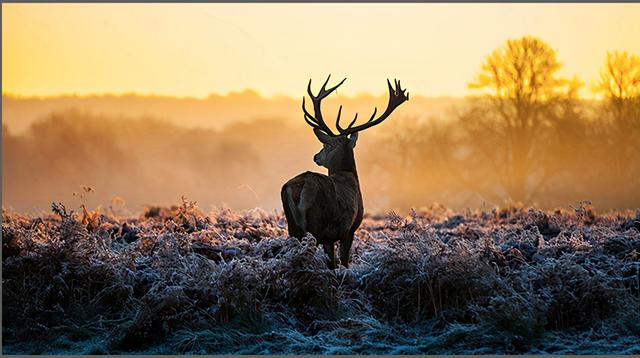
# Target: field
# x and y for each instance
(177, 280)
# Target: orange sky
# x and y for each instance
(197, 49)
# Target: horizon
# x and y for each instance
(246, 91)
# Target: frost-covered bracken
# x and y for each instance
(177, 280)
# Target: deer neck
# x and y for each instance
(347, 163)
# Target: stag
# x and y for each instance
(330, 206)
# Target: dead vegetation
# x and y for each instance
(177, 280)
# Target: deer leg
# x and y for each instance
(329, 249)
(345, 249)
(294, 231)
(289, 205)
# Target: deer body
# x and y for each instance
(327, 206)
(330, 206)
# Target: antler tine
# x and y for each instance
(353, 121)
(325, 92)
(324, 86)
(338, 119)
(307, 114)
(340, 129)
(308, 117)
(309, 90)
(373, 115)
(397, 96)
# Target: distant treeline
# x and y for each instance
(526, 137)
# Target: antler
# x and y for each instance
(318, 121)
(397, 96)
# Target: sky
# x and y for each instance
(192, 50)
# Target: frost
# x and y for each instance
(176, 280)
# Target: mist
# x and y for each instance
(412, 160)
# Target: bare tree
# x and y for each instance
(620, 86)
(507, 125)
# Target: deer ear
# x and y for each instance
(353, 138)
(322, 136)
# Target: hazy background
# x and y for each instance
(536, 104)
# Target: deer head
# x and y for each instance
(337, 150)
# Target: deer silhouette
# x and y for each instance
(330, 206)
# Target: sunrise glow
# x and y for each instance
(198, 49)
